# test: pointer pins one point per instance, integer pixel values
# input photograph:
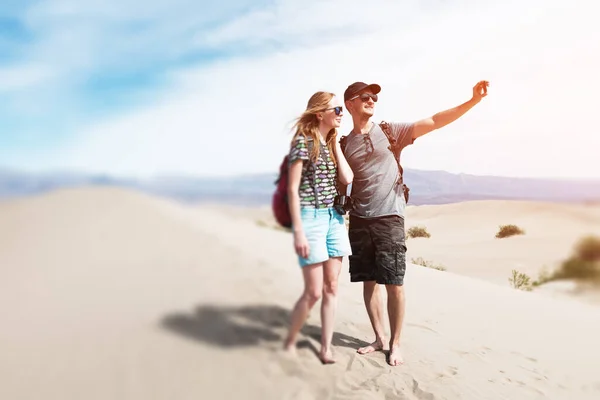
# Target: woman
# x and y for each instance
(317, 166)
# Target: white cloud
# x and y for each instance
(22, 77)
(232, 117)
(77, 37)
(289, 22)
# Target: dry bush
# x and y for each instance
(588, 249)
(424, 263)
(584, 263)
(509, 230)
(418, 231)
(544, 276)
(520, 281)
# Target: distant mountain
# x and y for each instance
(437, 187)
(427, 187)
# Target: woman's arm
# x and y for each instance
(294, 177)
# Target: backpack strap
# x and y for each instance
(385, 127)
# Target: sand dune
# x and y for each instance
(463, 236)
(110, 294)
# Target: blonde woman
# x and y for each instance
(317, 168)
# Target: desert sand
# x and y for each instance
(111, 294)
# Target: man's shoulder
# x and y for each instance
(396, 124)
(399, 129)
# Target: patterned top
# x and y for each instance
(326, 176)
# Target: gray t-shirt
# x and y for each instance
(375, 188)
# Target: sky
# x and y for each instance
(189, 87)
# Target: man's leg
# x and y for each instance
(395, 305)
(362, 269)
(390, 255)
(374, 307)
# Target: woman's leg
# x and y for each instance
(313, 286)
(331, 272)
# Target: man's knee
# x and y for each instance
(369, 287)
(395, 290)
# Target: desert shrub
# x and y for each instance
(509, 230)
(588, 249)
(424, 263)
(574, 268)
(584, 263)
(520, 281)
(544, 276)
(418, 231)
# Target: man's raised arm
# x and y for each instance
(443, 118)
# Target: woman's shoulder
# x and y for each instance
(300, 140)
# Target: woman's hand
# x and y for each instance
(301, 244)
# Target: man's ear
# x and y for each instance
(348, 105)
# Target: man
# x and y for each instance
(376, 229)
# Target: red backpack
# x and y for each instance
(279, 203)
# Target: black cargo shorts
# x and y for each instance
(378, 250)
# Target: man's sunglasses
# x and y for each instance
(365, 97)
(338, 110)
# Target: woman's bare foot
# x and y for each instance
(395, 358)
(289, 347)
(375, 346)
(326, 357)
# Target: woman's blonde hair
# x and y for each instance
(307, 125)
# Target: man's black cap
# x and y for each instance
(358, 87)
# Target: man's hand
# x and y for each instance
(480, 90)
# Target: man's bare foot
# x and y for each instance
(395, 358)
(326, 357)
(375, 346)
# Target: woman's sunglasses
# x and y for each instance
(338, 110)
(365, 97)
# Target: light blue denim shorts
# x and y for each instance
(326, 233)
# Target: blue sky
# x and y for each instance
(209, 88)
(68, 63)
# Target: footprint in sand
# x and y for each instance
(424, 327)
(531, 359)
(374, 363)
(448, 373)
(289, 363)
(360, 362)
(420, 393)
